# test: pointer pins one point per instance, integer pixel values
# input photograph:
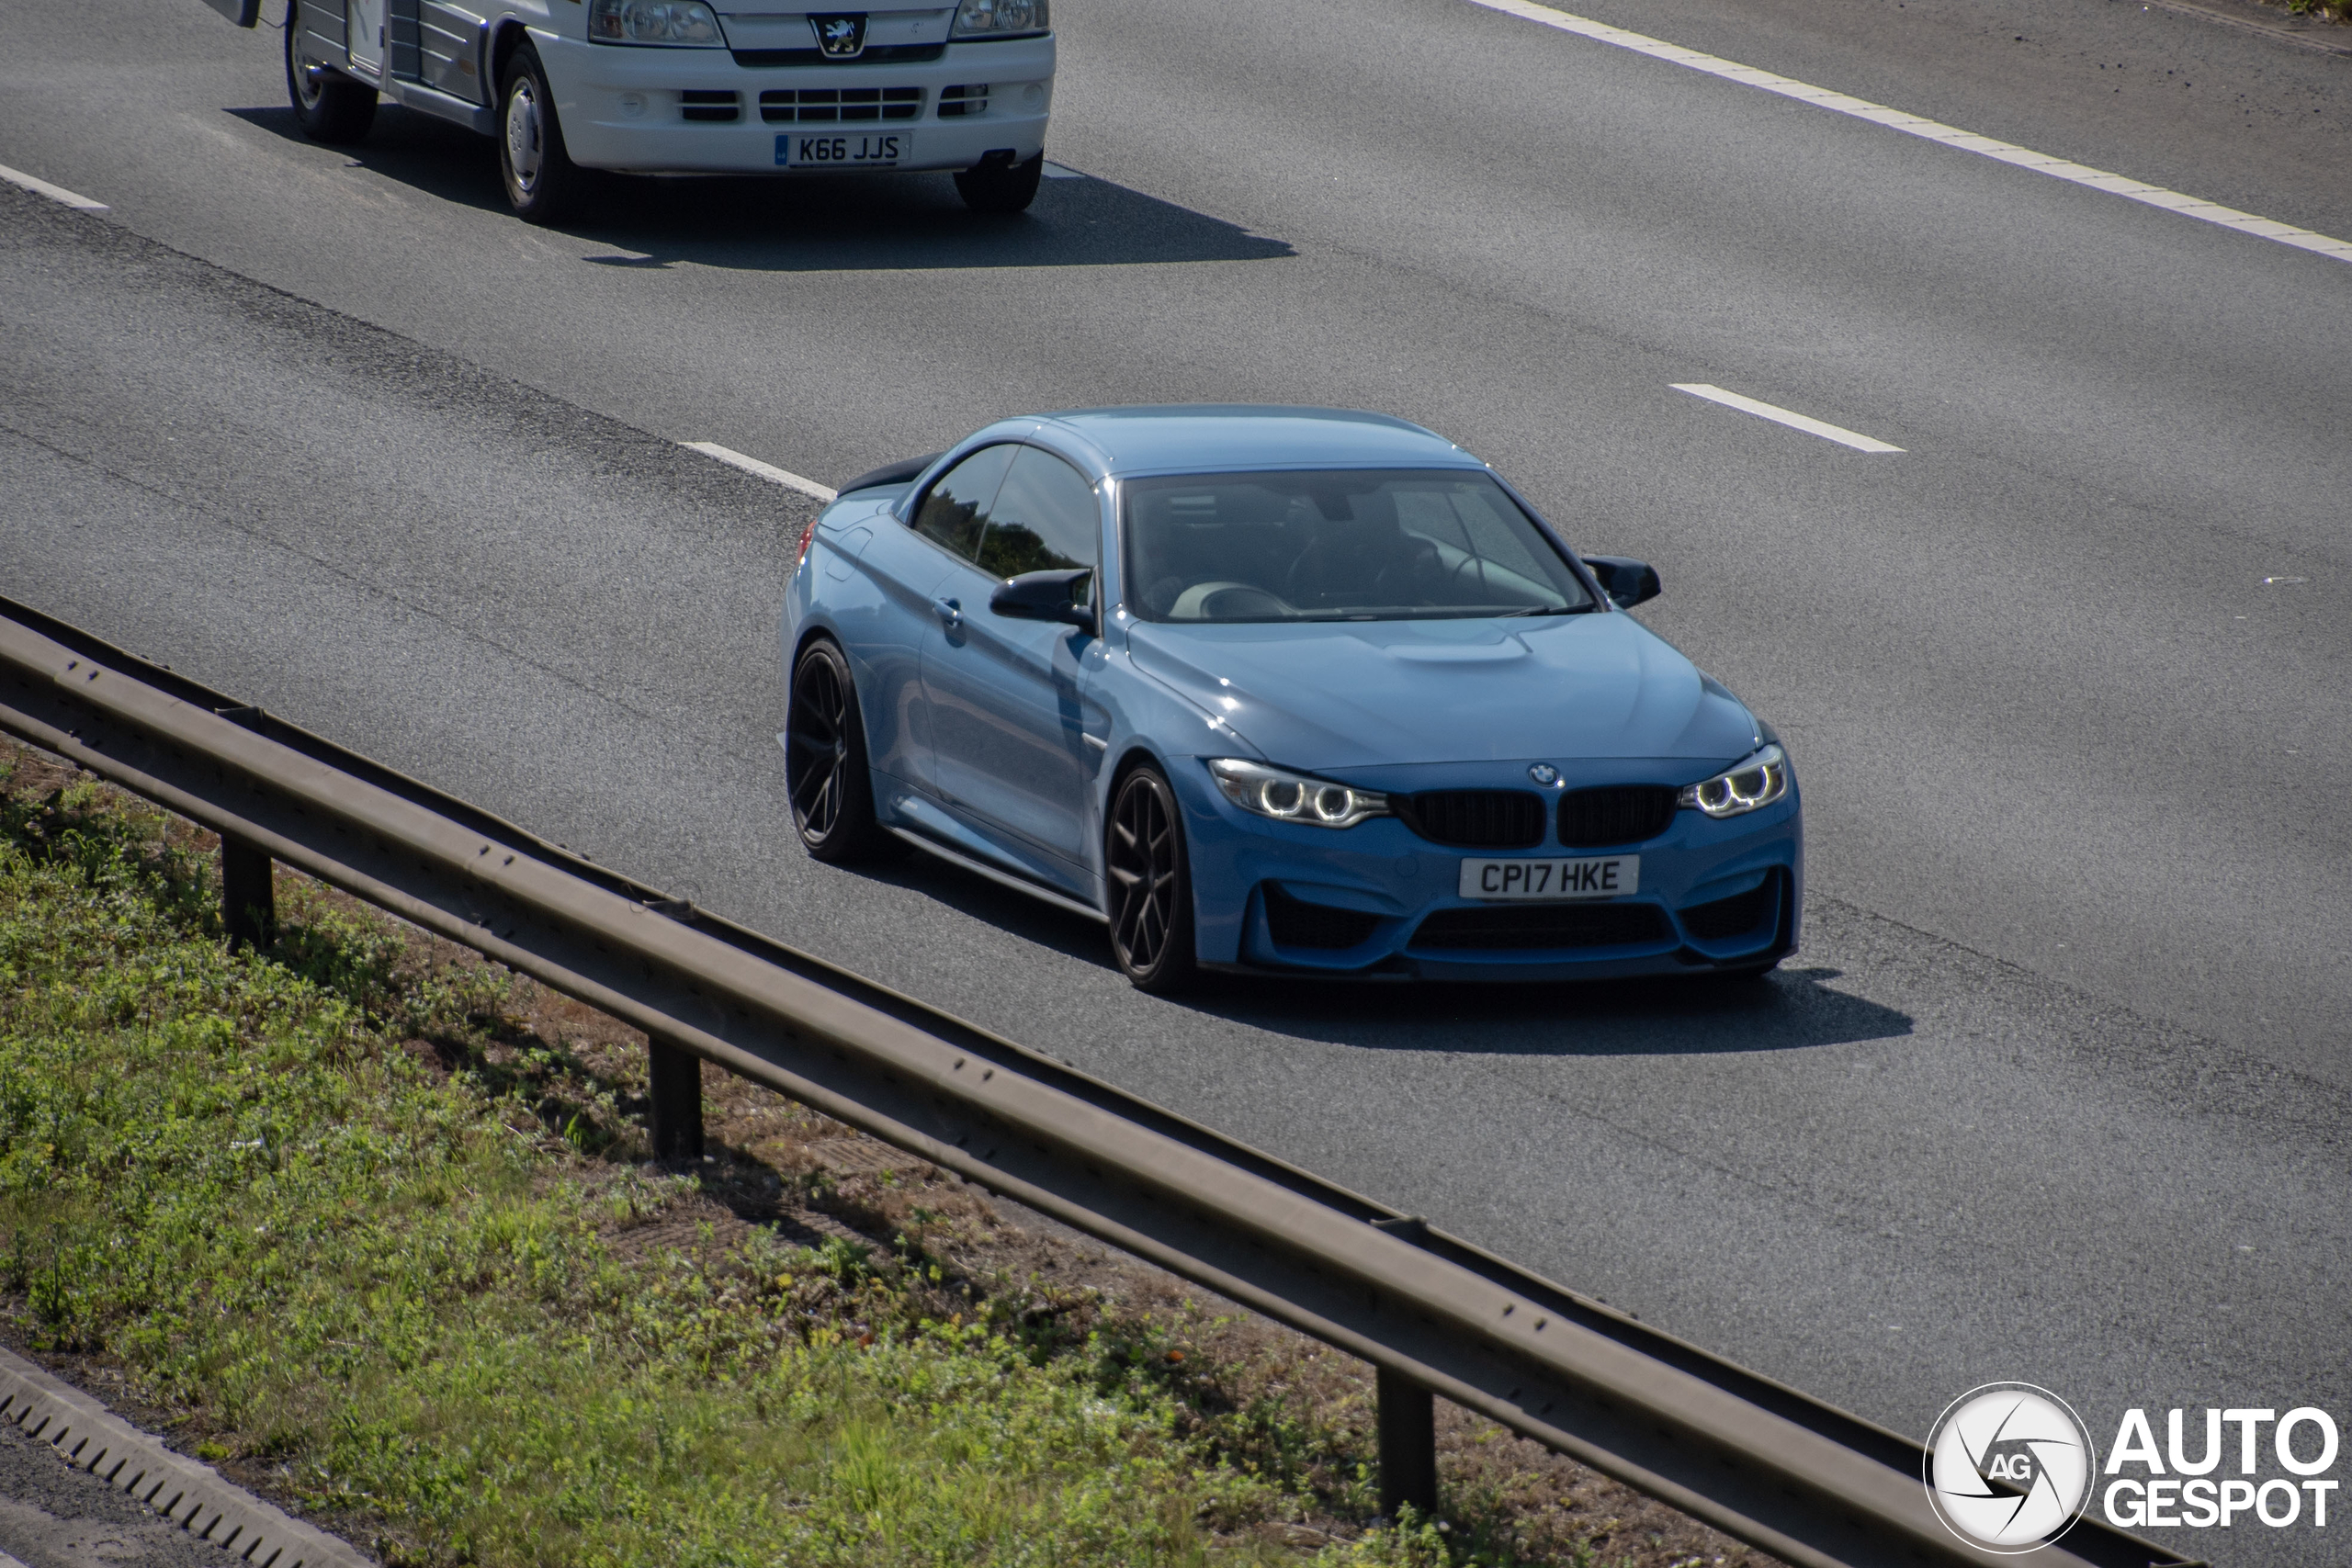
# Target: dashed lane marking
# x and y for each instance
(54, 193)
(1806, 423)
(1932, 130)
(767, 471)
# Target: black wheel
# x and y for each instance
(542, 182)
(328, 106)
(824, 762)
(1151, 887)
(1001, 187)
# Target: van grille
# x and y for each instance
(831, 105)
(1476, 818)
(1522, 926)
(876, 54)
(707, 105)
(972, 98)
(1617, 814)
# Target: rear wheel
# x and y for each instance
(1001, 187)
(542, 182)
(329, 106)
(1151, 889)
(824, 762)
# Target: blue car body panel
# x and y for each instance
(998, 741)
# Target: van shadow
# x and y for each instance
(1792, 1008)
(833, 223)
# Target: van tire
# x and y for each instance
(1001, 187)
(329, 106)
(542, 182)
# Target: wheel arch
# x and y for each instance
(505, 37)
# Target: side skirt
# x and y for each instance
(1004, 878)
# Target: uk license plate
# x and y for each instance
(843, 149)
(1500, 880)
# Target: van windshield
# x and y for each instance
(1372, 545)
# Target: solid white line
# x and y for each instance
(1932, 131)
(1811, 426)
(54, 193)
(1056, 172)
(767, 471)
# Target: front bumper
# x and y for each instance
(1258, 886)
(626, 108)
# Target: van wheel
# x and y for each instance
(542, 182)
(1152, 885)
(1001, 187)
(824, 762)
(329, 106)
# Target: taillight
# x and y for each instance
(805, 534)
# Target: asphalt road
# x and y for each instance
(2058, 1088)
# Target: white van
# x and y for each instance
(679, 86)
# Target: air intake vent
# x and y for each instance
(1519, 927)
(1295, 922)
(1619, 814)
(697, 103)
(1735, 916)
(832, 106)
(1476, 818)
(958, 103)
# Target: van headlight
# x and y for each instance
(999, 18)
(674, 24)
(1755, 783)
(1294, 798)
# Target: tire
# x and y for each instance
(824, 762)
(542, 182)
(329, 106)
(1001, 187)
(1151, 885)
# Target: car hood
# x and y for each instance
(1340, 694)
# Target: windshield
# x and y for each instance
(1366, 544)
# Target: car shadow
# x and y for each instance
(837, 223)
(1791, 1009)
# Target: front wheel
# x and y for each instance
(329, 106)
(1152, 885)
(1001, 187)
(542, 182)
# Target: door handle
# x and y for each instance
(951, 612)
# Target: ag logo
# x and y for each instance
(2008, 1467)
(841, 36)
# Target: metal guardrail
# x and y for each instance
(1810, 1483)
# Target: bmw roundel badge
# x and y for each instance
(1544, 773)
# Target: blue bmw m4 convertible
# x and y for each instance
(1277, 690)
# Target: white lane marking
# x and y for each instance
(1056, 172)
(54, 193)
(767, 471)
(1932, 131)
(1810, 425)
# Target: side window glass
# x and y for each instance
(1045, 519)
(955, 510)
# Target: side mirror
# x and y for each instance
(1045, 596)
(1627, 582)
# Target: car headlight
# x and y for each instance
(997, 18)
(679, 24)
(1755, 783)
(1294, 798)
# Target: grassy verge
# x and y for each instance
(368, 1222)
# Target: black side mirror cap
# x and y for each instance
(1627, 582)
(1046, 596)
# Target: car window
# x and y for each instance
(1347, 544)
(1045, 519)
(954, 511)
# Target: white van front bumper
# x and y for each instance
(698, 111)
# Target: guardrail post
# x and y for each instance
(248, 898)
(677, 1087)
(1408, 1446)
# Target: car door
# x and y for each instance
(1006, 698)
(884, 628)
